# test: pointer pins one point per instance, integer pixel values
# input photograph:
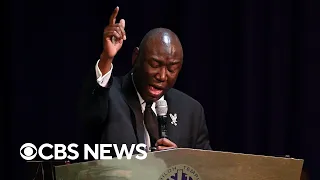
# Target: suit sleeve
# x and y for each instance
(202, 141)
(92, 107)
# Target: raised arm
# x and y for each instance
(94, 95)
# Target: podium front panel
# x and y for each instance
(186, 164)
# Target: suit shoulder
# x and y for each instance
(117, 81)
(184, 98)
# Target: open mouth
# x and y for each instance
(155, 90)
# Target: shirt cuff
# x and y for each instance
(103, 80)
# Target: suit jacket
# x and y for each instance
(113, 114)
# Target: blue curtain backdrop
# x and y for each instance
(253, 65)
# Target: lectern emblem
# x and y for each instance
(180, 172)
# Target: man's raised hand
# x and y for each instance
(113, 37)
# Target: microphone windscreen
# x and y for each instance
(161, 107)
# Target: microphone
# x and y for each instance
(162, 109)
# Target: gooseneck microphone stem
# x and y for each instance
(162, 129)
(163, 126)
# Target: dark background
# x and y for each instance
(253, 65)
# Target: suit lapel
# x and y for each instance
(173, 133)
(132, 100)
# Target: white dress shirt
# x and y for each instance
(103, 81)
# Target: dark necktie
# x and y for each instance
(151, 123)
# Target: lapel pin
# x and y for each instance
(174, 119)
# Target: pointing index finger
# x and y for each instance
(113, 16)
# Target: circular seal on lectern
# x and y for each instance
(180, 172)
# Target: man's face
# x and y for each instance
(160, 63)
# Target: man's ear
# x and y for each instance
(135, 55)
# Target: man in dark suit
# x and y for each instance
(115, 109)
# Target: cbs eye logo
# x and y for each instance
(28, 151)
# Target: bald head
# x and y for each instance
(161, 38)
(157, 63)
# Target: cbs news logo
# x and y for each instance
(29, 151)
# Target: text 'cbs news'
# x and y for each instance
(29, 151)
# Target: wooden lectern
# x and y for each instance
(185, 164)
